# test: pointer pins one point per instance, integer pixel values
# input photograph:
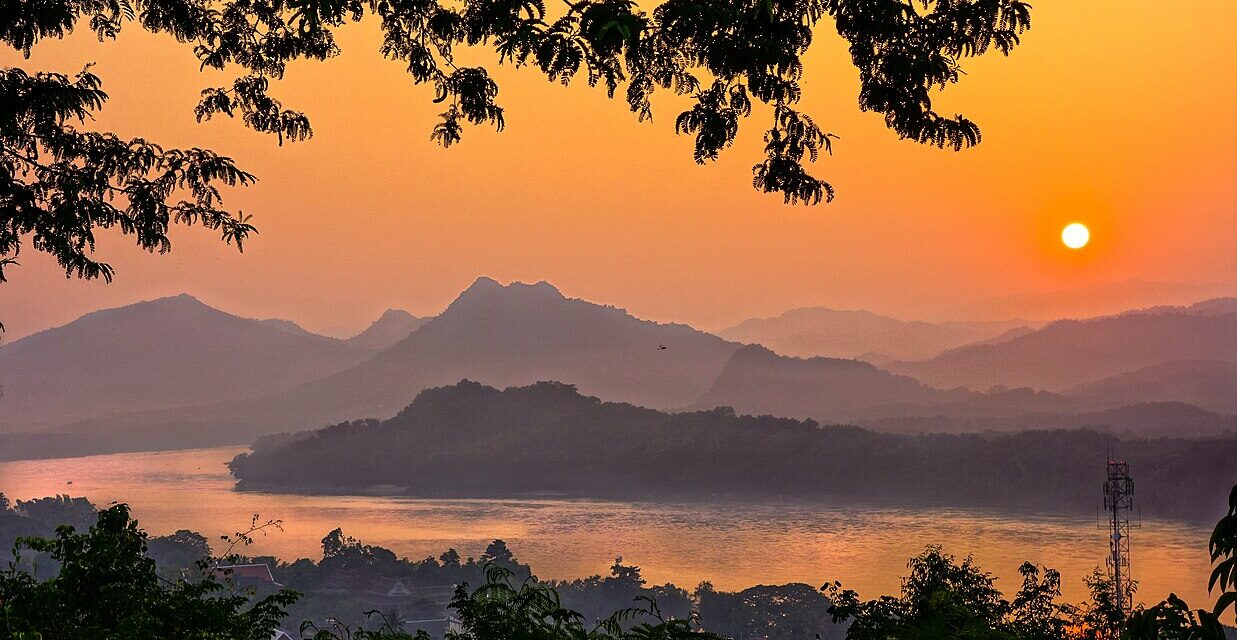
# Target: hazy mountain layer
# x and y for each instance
(287, 325)
(818, 331)
(1209, 384)
(506, 335)
(391, 327)
(757, 381)
(1068, 353)
(161, 354)
(1097, 299)
(173, 370)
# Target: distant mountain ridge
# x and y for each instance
(505, 335)
(175, 370)
(757, 381)
(819, 331)
(286, 325)
(1069, 353)
(1092, 300)
(391, 327)
(1209, 384)
(160, 354)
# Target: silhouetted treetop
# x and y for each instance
(58, 184)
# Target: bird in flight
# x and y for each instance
(661, 347)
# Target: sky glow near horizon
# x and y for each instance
(1113, 114)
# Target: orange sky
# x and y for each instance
(1116, 114)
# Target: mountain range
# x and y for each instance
(163, 354)
(176, 366)
(1094, 299)
(507, 335)
(818, 331)
(1210, 384)
(757, 381)
(1069, 353)
(390, 327)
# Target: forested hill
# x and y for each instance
(473, 440)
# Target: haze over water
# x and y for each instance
(732, 545)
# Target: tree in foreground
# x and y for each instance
(945, 599)
(59, 184)
(502, 609)
(107, 587)
(1173, 619)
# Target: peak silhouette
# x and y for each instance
(286, 325)
(758, 381)
(513, 335)
(179, 301)
(482, 283)
(162, 353)
(488, 292)
(390, 327)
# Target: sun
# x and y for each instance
(1075, 235)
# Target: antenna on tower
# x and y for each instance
(1119, 503)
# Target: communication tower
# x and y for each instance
(1119, 503)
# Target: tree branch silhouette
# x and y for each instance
(722, 55)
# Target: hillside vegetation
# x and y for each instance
(473, 440)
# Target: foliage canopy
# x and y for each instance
(59, 184)
(107, 587)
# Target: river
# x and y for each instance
(732, 545)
